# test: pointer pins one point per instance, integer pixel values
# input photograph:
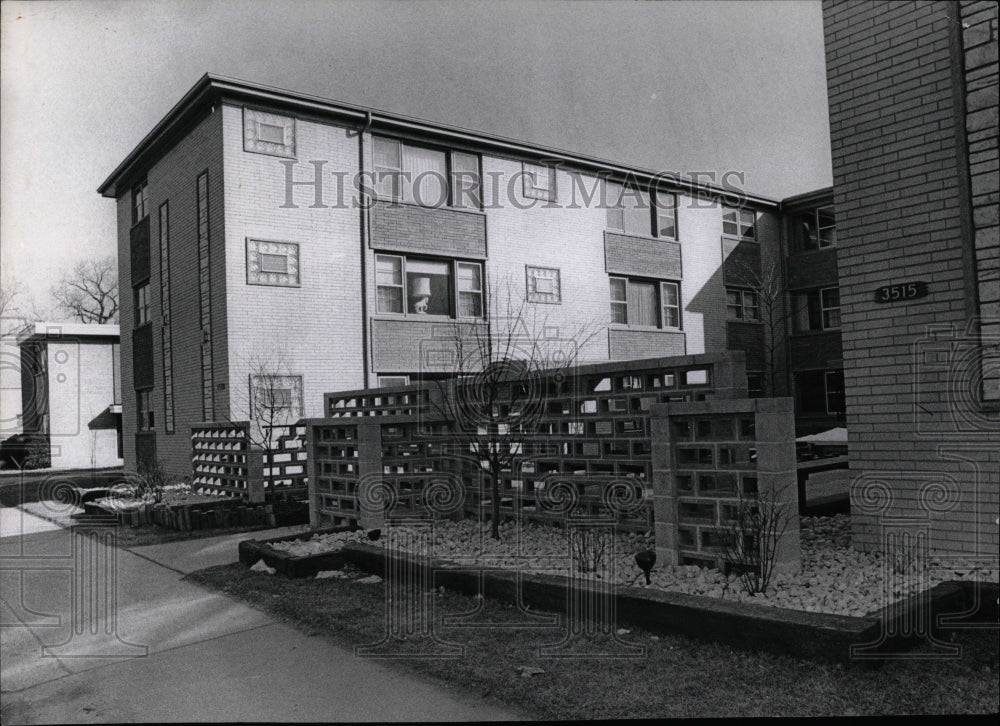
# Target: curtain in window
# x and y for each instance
(466, 184)
(386, 153)
(642, 304)
(638, 215)
(427, 171)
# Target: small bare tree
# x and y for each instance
(273, 400)
(752, 537)
(89, 292)
(496, 396)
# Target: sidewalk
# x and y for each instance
(177, 652)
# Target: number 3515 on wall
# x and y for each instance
(901, 291)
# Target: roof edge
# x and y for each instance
(211, 85)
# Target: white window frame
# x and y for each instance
(453, 265)
(397, 179)
(662, 304)
(140, 202)
(142, 314)
(532, 189)
(744, 219)
(829, 309)
(826, 391)
(815, 221)
(743, 305)
(615, 218)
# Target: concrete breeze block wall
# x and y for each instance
(710, 455)
(920, 443)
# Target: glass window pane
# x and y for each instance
(666, 215)
(428, 287)
(470, 304)
(387, 153)
(389, 270)
(426, 169)
(642, 304)
(390, 299)
(618, 287)
(466, 183)
(619, 313)
(638, 215)
(469, 277)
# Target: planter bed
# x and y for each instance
(746, 625)
(739, 620)
(211, 513)
(292, 565)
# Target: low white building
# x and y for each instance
(71, 392)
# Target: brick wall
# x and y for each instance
(979, 36)
(642, 257)
(625, 344)
(173, 179)
(313, 330)
(919, 444)
(812, 269)
(409, 228)
(416, 345)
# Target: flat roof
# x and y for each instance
(211, 89)
(50, 331)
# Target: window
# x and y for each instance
(141, 294)
(386, 381)
(539, 182)
(755, 385)
(830, 301)
(645, 303)
(140, 202)
(630, 211)
(268, 133)
(422, 286)
(820, 392)
(426, 176)
(543, 285)
(739, 223)
(742, 305)
(272, 263)
(816, 309)
(276, 398)
(817, 229)
(144, 410)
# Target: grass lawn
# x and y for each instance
(677, 677)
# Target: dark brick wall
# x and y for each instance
(173, 178)
(748, 337)
(812, 269)
(811, 351)
(139, 252)
(401, 346)
(634, 344)
(409, 228)
(742, 264)
(642, 257)
(142, 357)
(897, 130)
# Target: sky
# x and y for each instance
(674, 86)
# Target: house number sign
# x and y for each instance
(900, 292)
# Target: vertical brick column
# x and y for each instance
(369, 469)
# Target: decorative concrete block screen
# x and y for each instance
(709, 458)
(590, 428)
(226, 463)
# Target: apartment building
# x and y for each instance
(271, 237)
(913, 91)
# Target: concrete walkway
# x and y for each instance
(164, 650)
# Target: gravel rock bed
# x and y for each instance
(834, 578)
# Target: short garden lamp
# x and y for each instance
(645, 560)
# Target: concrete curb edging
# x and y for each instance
(304, 566)
(815, 636)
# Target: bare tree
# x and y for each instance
(272, 400)
(90, 291)
(494, 401)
